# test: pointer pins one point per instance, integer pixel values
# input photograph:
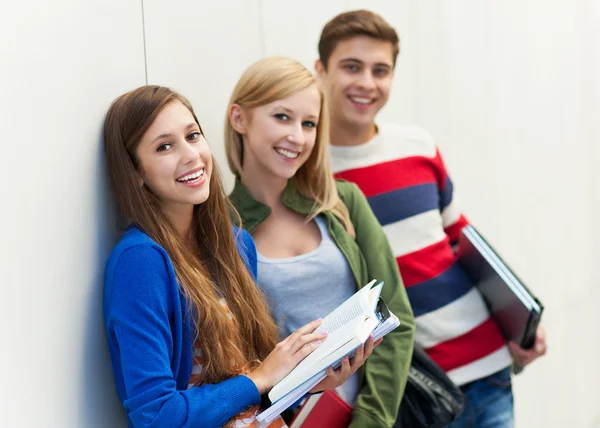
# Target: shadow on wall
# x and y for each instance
(99, 405)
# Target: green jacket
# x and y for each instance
(383, 376)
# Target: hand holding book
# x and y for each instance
(350, 326)
(286, 356)
(525, 356)
(336, 377)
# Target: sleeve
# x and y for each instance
(247, 249)
(139, 310)
(386, 370)
(452, 218)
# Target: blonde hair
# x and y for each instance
(229, 348)
(271, 79)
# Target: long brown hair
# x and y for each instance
(271, 79)
(228, 347)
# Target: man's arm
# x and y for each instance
(452, 217)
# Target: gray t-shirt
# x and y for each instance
(303, 288)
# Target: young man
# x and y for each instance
(401, 171)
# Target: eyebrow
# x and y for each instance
(288, 111)
(358, 61)
(168, 135)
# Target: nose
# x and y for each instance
(189, 153)
(296, 134)
(366, 80)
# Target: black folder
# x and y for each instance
(514, 308)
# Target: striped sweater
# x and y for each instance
(402, 174)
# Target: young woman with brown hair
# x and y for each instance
(190, 336)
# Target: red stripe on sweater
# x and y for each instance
(393, 175)
(453, 230)
(471, 346)
(426, 263)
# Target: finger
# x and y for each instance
(517, 351)
(521, 356)
(305, 329)
(540, 341)
(306, 350)
(310, 327)
(540, 348)
(523, 353)
(359, 355)
(345, 370)
(377, 342)
(369, 346)
(298, 342)
(541, 333)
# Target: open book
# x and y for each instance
(348, 327)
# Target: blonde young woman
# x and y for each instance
(317, 239)
(190, 338)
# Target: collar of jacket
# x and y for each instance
(253, 212)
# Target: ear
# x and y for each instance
(320, 68)
(139, 179)
(238, 118)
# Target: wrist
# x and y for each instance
(261, 384)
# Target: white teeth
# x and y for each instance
(288, 154)
(361, 100)
(191, 177)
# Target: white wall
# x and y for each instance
(61, 63)
(509, 89)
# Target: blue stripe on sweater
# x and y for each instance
(446, 194)
(400, 204)
(439, 291)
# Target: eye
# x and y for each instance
(309, 124)
(163, 147)
(282, 116)
(381, 72)
(192, 136)
(351, 67)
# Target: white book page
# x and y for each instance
(355, 307)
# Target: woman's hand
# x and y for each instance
(286, 355)
(525, 356)
(349, 365)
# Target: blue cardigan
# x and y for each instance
(150, 340)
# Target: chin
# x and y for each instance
(200, 199)
(288, 174)
(362, 119)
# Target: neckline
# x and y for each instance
(299, 257)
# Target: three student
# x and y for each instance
(190, 334)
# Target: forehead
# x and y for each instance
(365, 49)
(305, 101)
(172, 117)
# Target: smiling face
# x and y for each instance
(174, 160)
(280, 136)
(358, 79)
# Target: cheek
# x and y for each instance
(267, 135)
(384, 88)
(159, 172)
(310, 142)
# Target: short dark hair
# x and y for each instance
(356, 23)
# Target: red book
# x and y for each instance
(326, 410)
